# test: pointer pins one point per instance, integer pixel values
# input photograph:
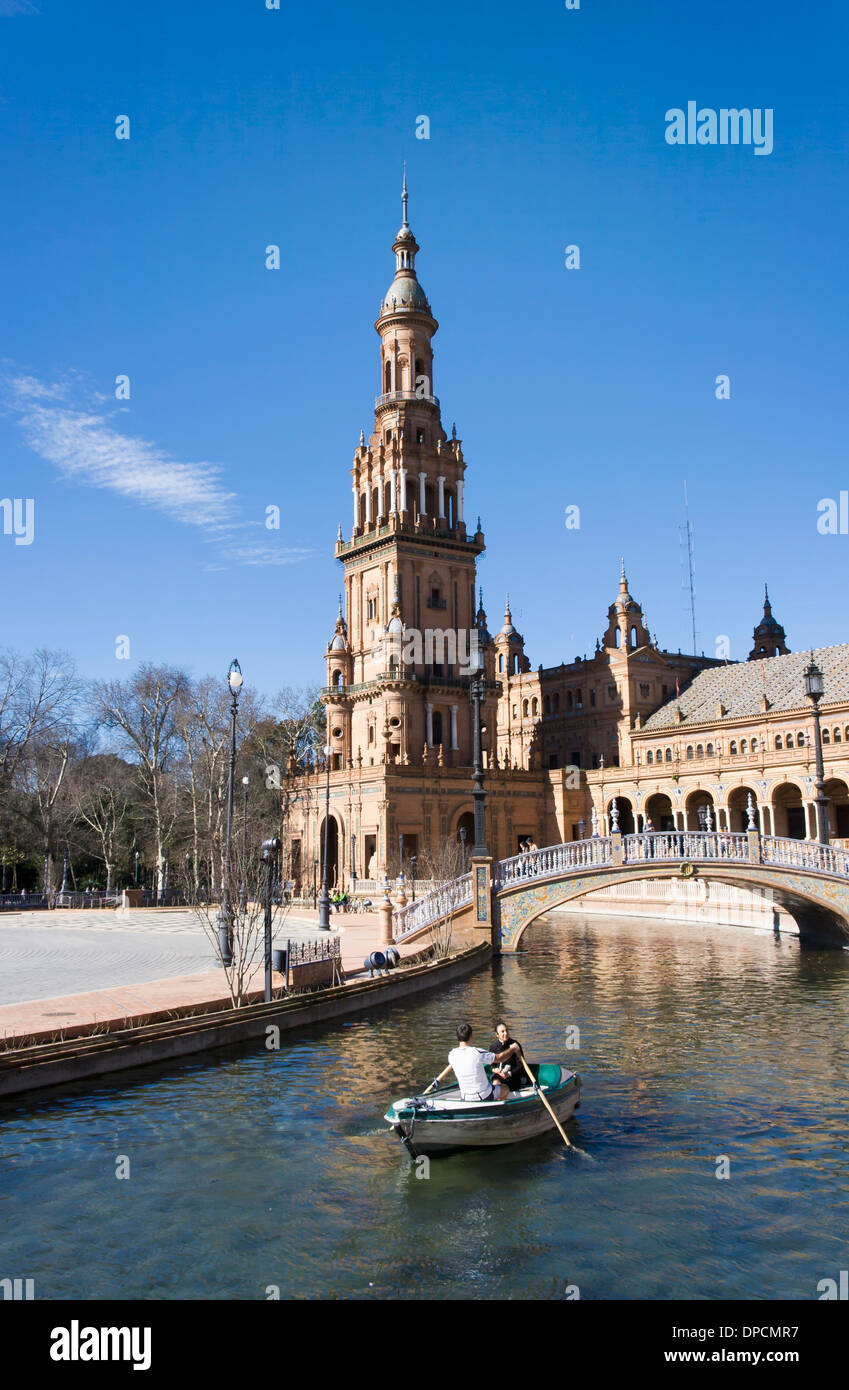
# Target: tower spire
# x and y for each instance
(405, 223)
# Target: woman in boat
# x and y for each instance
(511, 1073)
(468, 1063)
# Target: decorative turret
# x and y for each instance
(510, 647)
(625, 627)
(769, 637)
(338, 655)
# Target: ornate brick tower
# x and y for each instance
(397, 694)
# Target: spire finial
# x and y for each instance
(623, 582)
(404, 195)
(507, 614)
(362, 438)
(766, 597)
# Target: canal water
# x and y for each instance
(254, 1171)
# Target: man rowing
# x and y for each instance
(468, 1063)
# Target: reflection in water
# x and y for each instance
(256, 1168)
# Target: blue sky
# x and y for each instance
(593, 387)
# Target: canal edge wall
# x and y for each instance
(83, 1058)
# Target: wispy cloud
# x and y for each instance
(11, 7)
(86, 447)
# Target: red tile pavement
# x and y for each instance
(76, 1014)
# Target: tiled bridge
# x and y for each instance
(809, 880)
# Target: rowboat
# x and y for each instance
(442, 1120)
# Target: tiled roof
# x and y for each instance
(740, 688)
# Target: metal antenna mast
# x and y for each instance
(690, 581)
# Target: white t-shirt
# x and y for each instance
(468, 1064)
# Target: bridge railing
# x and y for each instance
(685, 844)
(554, 860)
(804, 854)
(435, 906)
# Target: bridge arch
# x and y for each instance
(820, 924)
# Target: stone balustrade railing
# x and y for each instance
(435, 906)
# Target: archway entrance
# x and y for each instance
(737, 803)
(659, 812)
(838, 808)
(333, 875)
(465, 834)
(626, 815)
(788, 812)
(698, 804)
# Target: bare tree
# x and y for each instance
(143, 712)
(38, 698)
(247, 935)
(443, 864)
(101, 792)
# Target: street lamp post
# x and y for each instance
(413, 874)
(269, 854)
(462, 834)
(324, 900)
(478, 793)
(136, 871)
(353, 865)
(314, 890)
(814, 687)
(225, 921)
(243, 890)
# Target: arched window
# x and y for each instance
(669, 755)
(515, 670)
(337, 679)
(846, 733)
(649, 757)
(388, 378)
(700, 750)
(535, 706)
(732, 748)
(710, 750)
(436, 724)
(557, 702)
(744, 747)
(754, 745)
(525, 708)
(592, 699)
(659, 755)
(826, 736)
(371, 733)
(501, 662)
(569, 701)
(633, 637)
(778, 743)
(547, 704)
(618, 638)
(579, 699)
(515, 712)
(689, 750)
(800, 740)
(789, 740)
(837, 738)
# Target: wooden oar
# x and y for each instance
(436, 1080)
(544, 1100)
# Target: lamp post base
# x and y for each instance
(224, 944)
(324, 910)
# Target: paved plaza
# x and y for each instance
(47, 954)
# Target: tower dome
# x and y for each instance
(769, 636)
